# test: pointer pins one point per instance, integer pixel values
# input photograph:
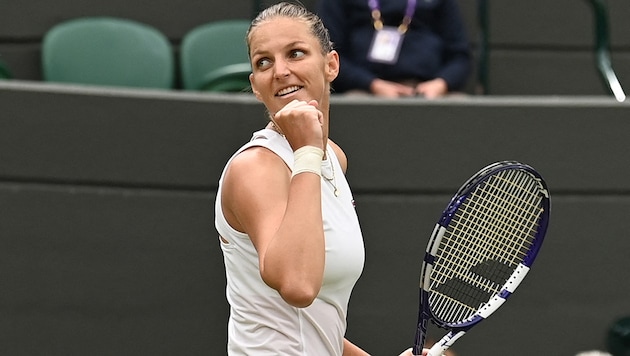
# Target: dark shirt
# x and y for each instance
(435, 46)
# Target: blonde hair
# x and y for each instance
(294, 11)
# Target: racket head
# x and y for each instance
(482, 247)
(487, 173)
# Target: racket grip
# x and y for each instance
(447, 341)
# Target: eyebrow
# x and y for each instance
(289, 45)
(295, 43)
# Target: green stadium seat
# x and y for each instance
(5, 73)
(213, 57)
(108, 51)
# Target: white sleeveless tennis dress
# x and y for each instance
(261, 322)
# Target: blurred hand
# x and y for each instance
(432, 89)
(387, 89)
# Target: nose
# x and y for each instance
(281, 69)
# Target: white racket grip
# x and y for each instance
(447, 341)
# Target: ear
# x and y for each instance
(251, 82)
(332, 65)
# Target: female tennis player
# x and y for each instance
(289, 233)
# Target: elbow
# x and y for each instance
(299, 296)
(298, 289)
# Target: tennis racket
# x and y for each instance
(481, 249)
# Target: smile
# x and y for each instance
(288, 90)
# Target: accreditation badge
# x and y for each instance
(386, 45)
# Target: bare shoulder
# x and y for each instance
(341, 155)
(254, 180)
(255, 159)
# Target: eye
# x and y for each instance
(263, 63)
(297, 53)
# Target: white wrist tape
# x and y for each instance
(308, 159)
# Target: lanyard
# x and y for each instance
(376, 15)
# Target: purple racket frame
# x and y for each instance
(457, 330)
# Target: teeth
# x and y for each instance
(288, 90)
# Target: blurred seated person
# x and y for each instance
(398, 48)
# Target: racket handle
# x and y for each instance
(421, 334)
(447, 341)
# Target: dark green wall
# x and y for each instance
(107, 242)
(537, 47)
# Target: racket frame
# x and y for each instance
(457, 330)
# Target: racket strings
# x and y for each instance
(489, 235)
(495, 216)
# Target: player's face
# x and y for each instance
(288, 64)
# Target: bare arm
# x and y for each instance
(281, 214)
